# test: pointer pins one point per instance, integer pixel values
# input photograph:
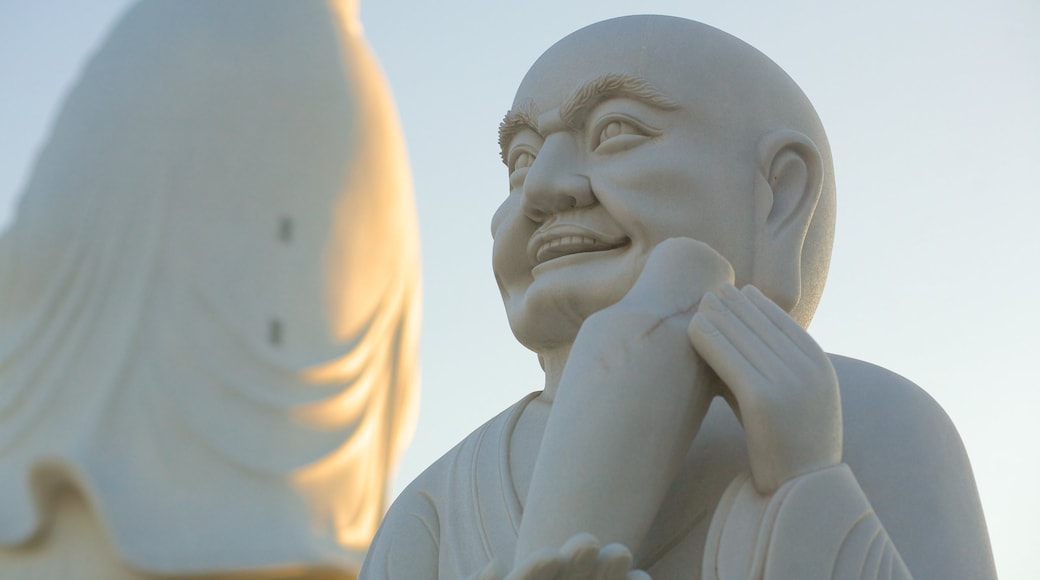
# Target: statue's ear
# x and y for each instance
(788, 183)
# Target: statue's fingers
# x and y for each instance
(637, 575)
(580, 552)
(764, 322)
(724, 358)
(614, 562)
(748, 347)
(797, 335)
(677, 273)
(545, 564)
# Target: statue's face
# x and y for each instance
(610, 153)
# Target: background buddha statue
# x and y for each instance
(209, 303)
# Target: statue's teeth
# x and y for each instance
(572, 244)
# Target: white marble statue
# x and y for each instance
(209, 304)
(663, 246)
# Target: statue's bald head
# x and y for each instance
(745, 107)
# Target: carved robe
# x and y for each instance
(464, 511)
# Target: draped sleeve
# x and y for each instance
(819, 526)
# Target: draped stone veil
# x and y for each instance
(209, 294)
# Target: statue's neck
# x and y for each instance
(553, 362)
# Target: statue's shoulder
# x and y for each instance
(889, 417)
(911, 463)
(875, 397)
(891, 424)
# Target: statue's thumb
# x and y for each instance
(677, 274)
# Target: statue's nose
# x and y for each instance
(555, 181)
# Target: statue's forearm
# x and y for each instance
(625, 413)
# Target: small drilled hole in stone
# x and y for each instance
(285, 229)
(274, 331)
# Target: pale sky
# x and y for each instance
(931, 108)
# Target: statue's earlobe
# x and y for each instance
(788, 184)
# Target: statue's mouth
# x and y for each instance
(560, 240)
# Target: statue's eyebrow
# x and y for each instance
(516, 120)
(573, 110)
(588, 95)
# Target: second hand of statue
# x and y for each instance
(784, 386)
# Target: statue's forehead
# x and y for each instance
(571, 63)
(674, 55)
(548, 86)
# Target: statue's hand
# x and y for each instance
(677, 274)
(642, 339)
(785, 388)
(652, 318)
(580, 558)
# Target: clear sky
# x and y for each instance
(931, 108)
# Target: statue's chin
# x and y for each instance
(547, 307)
(546, 321)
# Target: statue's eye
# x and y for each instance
(613, 129)
(617, 134)
(522, 160)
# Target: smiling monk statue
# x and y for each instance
(663, 246)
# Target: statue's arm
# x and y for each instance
(629, 403)
(905, 502)
(801, 512)
(908, 459)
